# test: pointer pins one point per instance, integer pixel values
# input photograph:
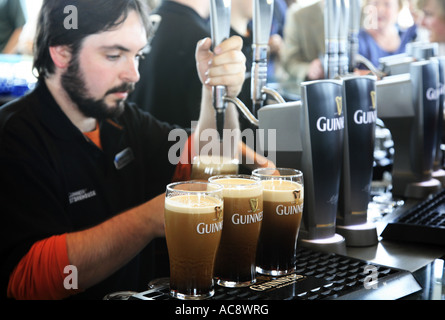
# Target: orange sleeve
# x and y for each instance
(40, 274)
(183, 169)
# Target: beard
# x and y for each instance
(73, 83)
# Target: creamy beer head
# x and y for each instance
(192, 204)
(282, 190)
(234, 187)
(193, 228)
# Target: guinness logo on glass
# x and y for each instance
(254, 204)
(297, 195)
(218, 212)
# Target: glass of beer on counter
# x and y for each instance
(243, 215)
(204, 167)
(283, 197)
(193, 227)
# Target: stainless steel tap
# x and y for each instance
(355, 9)
(343, 54)
(262, 22)
(331, 32)
(220, 30)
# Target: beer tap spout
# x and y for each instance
(242, 107)
(374, 70)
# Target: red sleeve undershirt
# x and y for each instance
(40, 274)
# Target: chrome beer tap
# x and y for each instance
(331, 33)
(220, 30)
(343, 54)
(355, 7)
(262, 22)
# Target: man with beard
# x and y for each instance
(83, 171)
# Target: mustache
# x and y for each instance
(125, 87)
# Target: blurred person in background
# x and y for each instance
(416, 11)
(169, 79)
(304, 42)
(381, 35)
(434, 21)
(12, 20)
(276, 40)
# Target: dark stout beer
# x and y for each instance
(243, 214)
(283, 207)
(193, 227)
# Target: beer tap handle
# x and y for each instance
(262, 23)
(220, 30)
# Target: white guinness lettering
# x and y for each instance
(247, 219)
(204, 228)
(361, 117)
(288, 210)
(334, 124)
(433, 94)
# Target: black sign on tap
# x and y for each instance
(359, 101)
(323, 130)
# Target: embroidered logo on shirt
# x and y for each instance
(81, 195)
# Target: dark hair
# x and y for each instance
(92, 17)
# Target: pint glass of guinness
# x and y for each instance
(283, 197)
(193, 227)
(203, 167)
(243, 214)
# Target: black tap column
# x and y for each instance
(322, 133)
(408, 104)
(360, 109)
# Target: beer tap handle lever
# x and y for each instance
(220, 30)
(262, 22)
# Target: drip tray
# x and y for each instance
(319, 275)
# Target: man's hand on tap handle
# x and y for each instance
(225, 66)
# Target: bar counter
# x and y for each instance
(425, 262)
(406, 271)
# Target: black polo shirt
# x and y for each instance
(54, 180)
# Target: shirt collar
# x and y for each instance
(56, 120)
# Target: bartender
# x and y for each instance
(83, 171)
